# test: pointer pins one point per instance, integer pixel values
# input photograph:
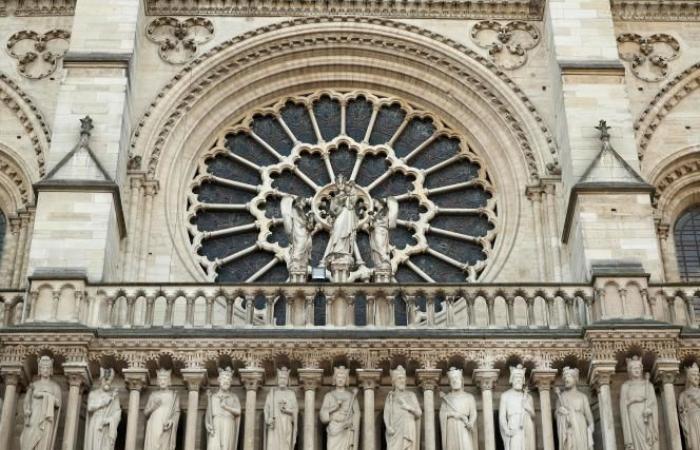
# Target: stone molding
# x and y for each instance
(511, 43)
(505, 9)
(656, 10)
(42, 59)
(178, 40)
(190, 91)
(29, 115)
(651, 55)
(37, 8)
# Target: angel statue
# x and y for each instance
(298, 224)
(383, 219)
(42, 409)
(103, 414)
(340, 412)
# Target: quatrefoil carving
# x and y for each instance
(38, 54)
(178, 39)
(507, 44)
(648, 55)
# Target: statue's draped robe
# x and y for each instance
(343, 425)
(157, 438)
(515, 420)
(102, 408)
(405, 424)
(342, 238)
(689, 411)
(42, 410)
(455, 435)
(573, 427)
(283, 434)
(636, 396)
(379, 242)
(225, 426)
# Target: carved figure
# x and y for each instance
(344, 222)
(281, 415)
(689, 408)
(402, 415)
(42, 409)
(223, 417)
(574, 418)
(384, 217)
(457, 415)
(163, 413)
(103, 414)
(517, 413)
(638, 409)
(340, 412)
(298, 224)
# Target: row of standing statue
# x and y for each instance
(340, 412)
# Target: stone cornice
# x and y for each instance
(457, 9)
(656, 10)
(37, 7)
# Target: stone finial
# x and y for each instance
(86, 125)
(604, 130)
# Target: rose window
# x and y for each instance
(341, 187)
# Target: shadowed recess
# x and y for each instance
(437, 269)
(372, 167)
(343, 160)
(456, 248)
(244, 267)
(388, 120)
(291, 184)
(327, 113)
(358, 113)
(462, 198)
(470, 225)
(417, 131)
(217, 220)
(313, 166)
(456, 172)
(441, 149)
(246, 147)
(223, 246)
(299, 122)
(269, 130)
(396, 184)
(211, 192)
(402, 237)
(226, 168)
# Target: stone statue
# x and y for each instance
(223, 417)
(574, 418)
(402, 415)
(384, 217)
(516, 414)
(163, 413)
(281, 415)
(42, 409)
(298, 224)
(103, 414)
(340, 412)
(457, 415)
(638, 409)
(344, 221)
(689, 408)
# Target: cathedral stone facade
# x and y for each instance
(349, 225)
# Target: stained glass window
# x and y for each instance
(687, 238)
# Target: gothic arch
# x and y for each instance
(31, 119)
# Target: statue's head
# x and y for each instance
(635, 369)
(692, 375)
(45, 366)
(283, 377)
(164, 378)
(341, 376)
(570, 376)
(225, 378)
(106, 378)
(517, 377)
(456, 378)
(398, 378)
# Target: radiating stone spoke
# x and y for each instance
(329, 167)
(263, 270)
(420, 148)
(224, 206)
(356, 167)
(419, 271)
(306, 179)
(266, 146)
(465, 211)
(370, 126)
(229, 231)
(460, 236)
(398, 132)
(317, 130)
(445, 163)
(286, 129)
(441, 256)
(233, 184)
(381, 178)
(243, 161)
(235, 256)
(455, 187)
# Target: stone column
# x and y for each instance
(135, 380)
(310, 379)
(251, 378)
(13, 376)
(600, 377)
(487, 378)
(429, 380)
(194, 379)
(665, 373)
(369, 379)
(78, 377)
(543, 379)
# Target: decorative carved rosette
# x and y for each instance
(178, 40)
(507, 44)
(649, 55)
(38, 54)
(299, 146)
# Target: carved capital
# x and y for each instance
(543, 378)
(13, 375)
(135, 379)
(429, 378)
(77, 374)
(666, 371)
(194, 378)
(601, 373)
(486, 378)
(252, 378)
(369, 378)
(310, 379)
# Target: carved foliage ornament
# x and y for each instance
(177, 39)
(507, 44)
(649, 55)
(38, 54)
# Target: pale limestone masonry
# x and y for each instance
(110, 164)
